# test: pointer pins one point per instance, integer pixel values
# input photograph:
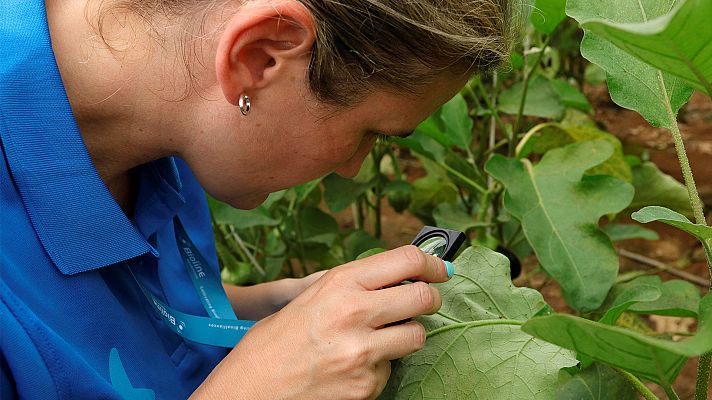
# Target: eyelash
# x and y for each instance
(381, 138)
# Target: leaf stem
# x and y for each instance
(637, 384)
(457, 173)
(525, 89)
(703, 377)
(662, 266)
(703, 368)
(249, 255)
(473, 324)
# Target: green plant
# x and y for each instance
(516, 161)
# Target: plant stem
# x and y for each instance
(703, 367)
(663, 267)
(703, 377)
(525, 89)
(457, 173)
(249, 255)
(670, 392)
(473, 324)
(637, 384)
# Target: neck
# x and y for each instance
(117, 99)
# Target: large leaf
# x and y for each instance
(559, 209)
(542, 100)
(662, 214)
(457, 121)
(679, 42)
(677, 297)
(654, 359)
(547, 15)
(653, 187)
(450, 126)
(597, 382)
(452, 216)
(551, 135)
(339, 192)
(475, 348)
(628, 231)
(633, 83)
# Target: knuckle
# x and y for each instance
(415, 257)
(355, 356)
(423, 295)
(419, 335)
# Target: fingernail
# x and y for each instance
(450, 269)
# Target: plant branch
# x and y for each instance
(663, 267)
(637, 384)
(703, 367)
(703, 377)
(249, 255)
(525, 89)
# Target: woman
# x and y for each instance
(117, 114)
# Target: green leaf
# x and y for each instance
(240, 219)
(369, 253)
(679, 42)
(452, 216)
(542, 100)
(597, 382)
(317, 226)
(633, 84)
(475, 348)
(653, 187)
(358, 242)
(677, 297)
(679, 221)
(305, 189)
(547, 15)
(654, 359)
(626, 295)
(619, 232)
(457, 120)
(559, 209)
(572, 129)
(429, 192)
(570, 96)
(340, 192)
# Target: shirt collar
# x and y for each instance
(74, 215)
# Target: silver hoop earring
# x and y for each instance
(244, 103)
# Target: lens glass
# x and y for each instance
(436, 245)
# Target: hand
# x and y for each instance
(333, 340)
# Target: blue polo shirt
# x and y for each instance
(75, 325)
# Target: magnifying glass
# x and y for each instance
(440, 242)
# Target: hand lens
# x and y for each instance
(439, 242)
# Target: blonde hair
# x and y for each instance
(362, 45)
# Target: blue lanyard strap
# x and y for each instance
(222, 328)
(208, 286)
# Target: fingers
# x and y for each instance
(394, 266)
(398, 341)
(402, 302)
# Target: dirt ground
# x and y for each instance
(674, 247)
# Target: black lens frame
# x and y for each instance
(453, 239)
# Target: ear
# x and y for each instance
(261, 40)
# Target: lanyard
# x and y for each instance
(221, 328)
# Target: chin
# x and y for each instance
(248, 202)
